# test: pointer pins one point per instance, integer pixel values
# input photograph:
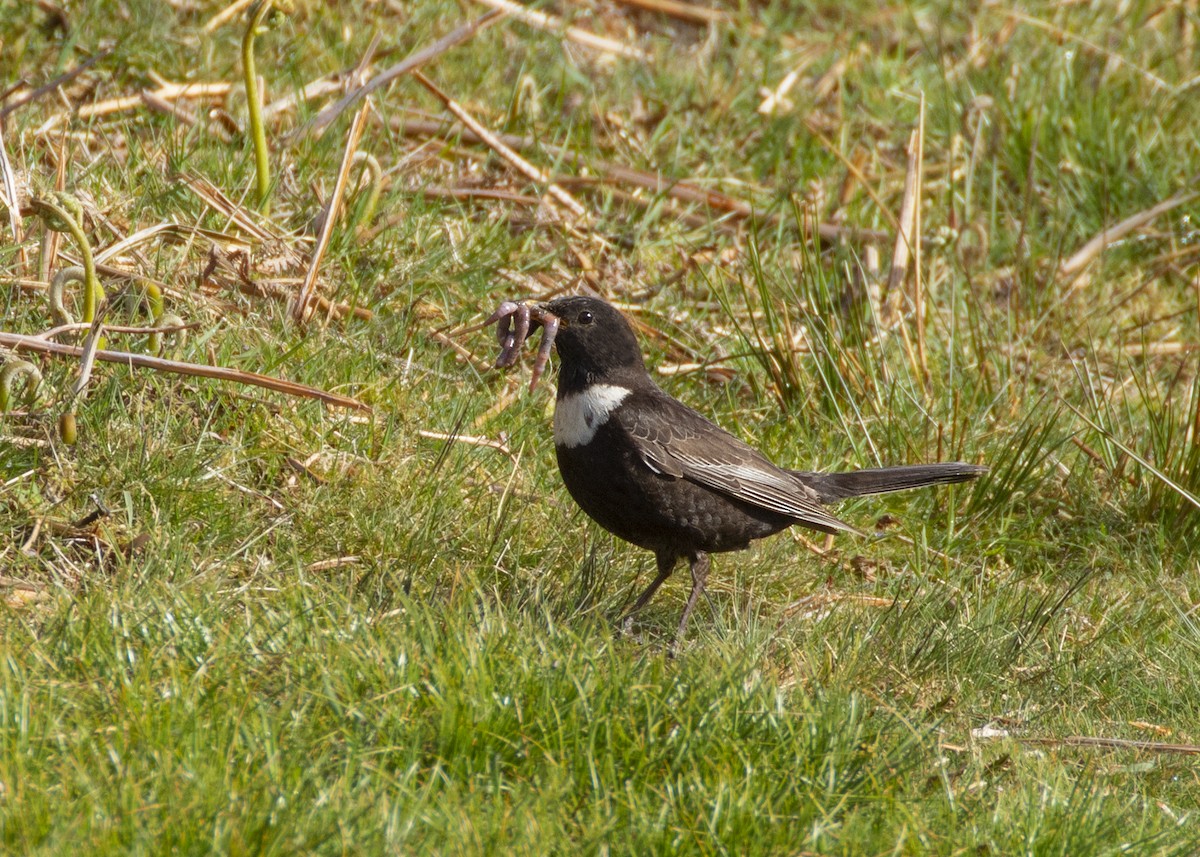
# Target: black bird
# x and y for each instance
(654, 472)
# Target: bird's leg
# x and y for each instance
(700, 565)
(666, 564)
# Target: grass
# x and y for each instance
(297, 629)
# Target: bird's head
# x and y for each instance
(594, 341)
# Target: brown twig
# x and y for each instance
(1099, 461)
(22, 342)
(75, 327)
(413, 61)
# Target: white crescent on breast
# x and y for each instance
(578, 416)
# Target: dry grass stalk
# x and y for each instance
(300, 307)
(593, 184)
(226, 15)
(176, 231)
(907, 222)
(1131, 453)
(1106, 743)
(161, 105)
(1112, 234)
(21, 342)
(480, 365)
(87, 359)
(1160, 349)
(853, 169)
(1062, 35)
(510, 155)
(413, 61)
(318, 88)
(236, 213)
(53, 85)
(906, 253)
(470, 440)
(167, 92)
(681, 191)
(479, 193)
(75, 327)
(820, 600)
(542, 21)
(12, 201)
(918, 293)
(689, 12)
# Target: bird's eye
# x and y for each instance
(585, 317)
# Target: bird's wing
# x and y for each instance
(673, 440)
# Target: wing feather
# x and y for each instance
(675, 441)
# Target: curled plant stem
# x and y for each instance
(67, 429)
(151, 298)
(58, 285)
(154, 298)
(13, 370)
(66, 215)
(162, 318)
(168, 319)
(258, 133)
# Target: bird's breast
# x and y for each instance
(579, 415)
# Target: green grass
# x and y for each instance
(299, 630)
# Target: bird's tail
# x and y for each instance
(831, 487)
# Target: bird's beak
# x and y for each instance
(541, 313)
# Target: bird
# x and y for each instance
(659, 475)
